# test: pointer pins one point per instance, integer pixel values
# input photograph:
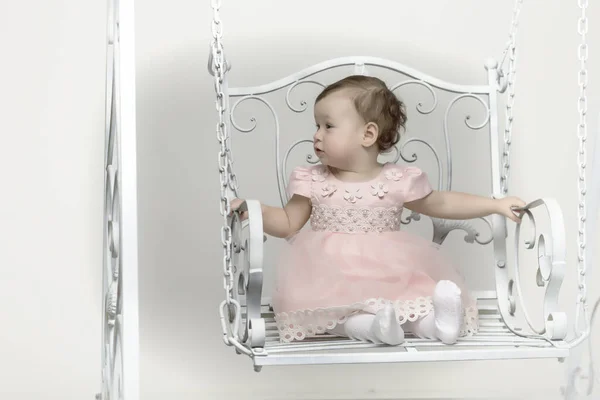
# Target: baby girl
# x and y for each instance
(355, 273)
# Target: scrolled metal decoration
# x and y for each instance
(426, 85)
(303, 104)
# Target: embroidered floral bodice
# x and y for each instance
(359, 207)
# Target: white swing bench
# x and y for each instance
(248, 320)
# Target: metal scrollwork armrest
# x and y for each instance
(248, 238)
(551, 251)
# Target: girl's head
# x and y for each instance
(357, 117)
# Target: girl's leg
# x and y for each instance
(380, 328)
(446, 319)
(358, 327)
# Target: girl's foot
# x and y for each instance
(386, 327)
(447, 305)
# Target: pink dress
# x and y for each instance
(355, 258)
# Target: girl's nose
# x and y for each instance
(317, 135)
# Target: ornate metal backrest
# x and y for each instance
(439, 121)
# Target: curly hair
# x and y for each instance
(376, 103)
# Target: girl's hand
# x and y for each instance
(235, 204)
(505, 207)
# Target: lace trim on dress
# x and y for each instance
(299, 325)
(355, 219)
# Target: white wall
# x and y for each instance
(51, 208)
(51, 157)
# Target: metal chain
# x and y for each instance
(582, 105)
(582, 323)
(511, 51)
(222, 136)
(227, 180)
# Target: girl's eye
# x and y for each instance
(328, 126)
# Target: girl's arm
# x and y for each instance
(286, 221)
(457, 205)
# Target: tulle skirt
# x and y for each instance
(325, 277)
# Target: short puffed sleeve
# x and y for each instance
(300, 182)
(416, 184)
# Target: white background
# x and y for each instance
(53, 77)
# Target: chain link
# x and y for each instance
(227, 178)
(582, 105)
(511, 52)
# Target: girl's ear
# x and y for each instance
(370, 134)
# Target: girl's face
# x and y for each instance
(338, 139)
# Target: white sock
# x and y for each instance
(448, 310)
(386, 326)
(357, 327)
(380, 328)
(423, 327)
